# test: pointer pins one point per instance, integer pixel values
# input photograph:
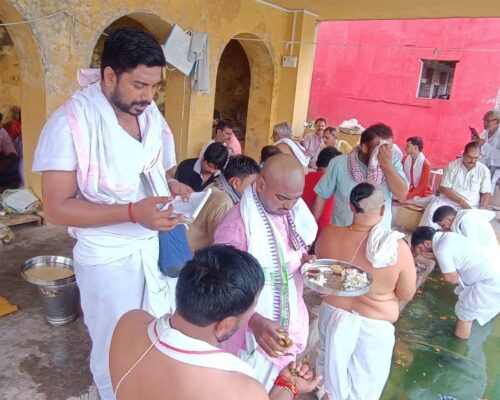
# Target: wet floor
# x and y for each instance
(429, 363)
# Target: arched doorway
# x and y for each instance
(260, 89)
(173, 93)
(10, 100)
(233, 88)
(30, 83)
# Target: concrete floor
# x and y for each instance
(42, 362)
(39, 361)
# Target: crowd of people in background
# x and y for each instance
(11, 150)
(235, 319)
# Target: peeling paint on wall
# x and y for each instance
(10, 86)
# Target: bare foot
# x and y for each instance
(463, 329)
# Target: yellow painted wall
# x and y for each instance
(51, 51)
(10, 86)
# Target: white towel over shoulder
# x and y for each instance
(382, 246)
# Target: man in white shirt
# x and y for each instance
(466, 184)
(489, 140)
(100, 156)
(474, 224)
(463, 263)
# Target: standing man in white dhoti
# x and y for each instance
(464, 263)
(357, 333)
(474, 224)
(466, 184)
(273, 224)
(103, 157)
(178, 356)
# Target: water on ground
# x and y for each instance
(429, 363)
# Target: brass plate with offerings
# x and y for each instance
(336, 278)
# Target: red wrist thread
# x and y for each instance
(288, 385)
(130, 214)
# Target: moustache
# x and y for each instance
(141, 103)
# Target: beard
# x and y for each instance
(118, 102)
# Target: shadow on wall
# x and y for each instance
(233, 86)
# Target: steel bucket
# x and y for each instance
(59, 296)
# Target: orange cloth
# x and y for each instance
(423, 189)
(14, 128)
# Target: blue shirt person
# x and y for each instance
(346, 171)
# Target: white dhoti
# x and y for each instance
(479, 276)
(480, 301)
(116, 275)
(116, 265)
(354, 354)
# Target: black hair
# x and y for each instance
(360, 192)
(471, 145)
(332, 130)
(216, 114)
(320, 119)
(442, 212)
(268, 151)
(416, 141)
(216, 154)
(127, 48)
(421, 234)
(240, 166)
(219, 282)
(325, 156)
(1, 117)
(378, 130)
(224, 123)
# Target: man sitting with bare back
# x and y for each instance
(216, 291)
(357, 333)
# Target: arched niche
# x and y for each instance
(174, 92)
(232, 89)
(260, 95)
(32, 86)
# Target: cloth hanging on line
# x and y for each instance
(189, 54)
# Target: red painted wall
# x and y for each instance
(370, 70)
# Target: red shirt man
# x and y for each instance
(313, 178)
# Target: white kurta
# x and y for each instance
(479, 292)
(476, 226)
(468, 184)
(490, 150)
(116, 266)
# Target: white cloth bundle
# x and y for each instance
(382, 246)
(297, 150)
